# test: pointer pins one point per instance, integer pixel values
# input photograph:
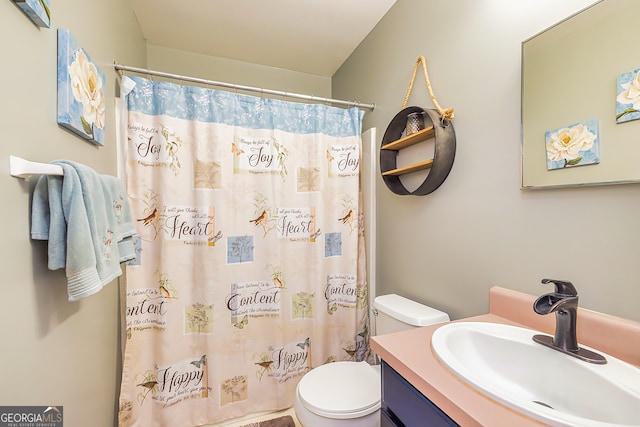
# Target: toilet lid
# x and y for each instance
(341, 390)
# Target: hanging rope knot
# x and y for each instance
(445, 114)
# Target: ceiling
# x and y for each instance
(309, 36)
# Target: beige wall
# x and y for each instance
(479, 229)
(55, 352)
(237, 72)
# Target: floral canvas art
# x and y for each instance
(628, 96)
(574, 145)
(81, 91)
(38, 11)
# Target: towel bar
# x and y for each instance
(21, 168)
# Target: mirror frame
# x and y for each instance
(569, 76)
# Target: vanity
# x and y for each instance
(418, 390)
(404, 405)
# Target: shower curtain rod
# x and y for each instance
(120, 67)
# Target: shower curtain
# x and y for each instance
(250, 266)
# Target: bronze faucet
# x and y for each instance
(563, 302)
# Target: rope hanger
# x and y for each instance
(445, 114)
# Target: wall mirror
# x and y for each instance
(578, 127)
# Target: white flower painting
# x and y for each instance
(81, 91)
(628, 96)
(574, 145)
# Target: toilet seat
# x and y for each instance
(341, 390)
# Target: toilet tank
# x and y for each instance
(396, 313)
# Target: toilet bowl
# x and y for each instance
(347, 394)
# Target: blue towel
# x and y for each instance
(87, 220)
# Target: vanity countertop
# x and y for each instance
(410, 354)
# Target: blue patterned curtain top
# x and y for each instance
(217, 106)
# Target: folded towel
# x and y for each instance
(87, 220)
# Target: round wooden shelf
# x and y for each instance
(444, 151)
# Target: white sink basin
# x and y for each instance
(505, 364)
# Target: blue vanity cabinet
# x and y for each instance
(404, 406)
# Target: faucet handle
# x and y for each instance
(562, 287)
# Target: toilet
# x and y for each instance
(348, 393)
